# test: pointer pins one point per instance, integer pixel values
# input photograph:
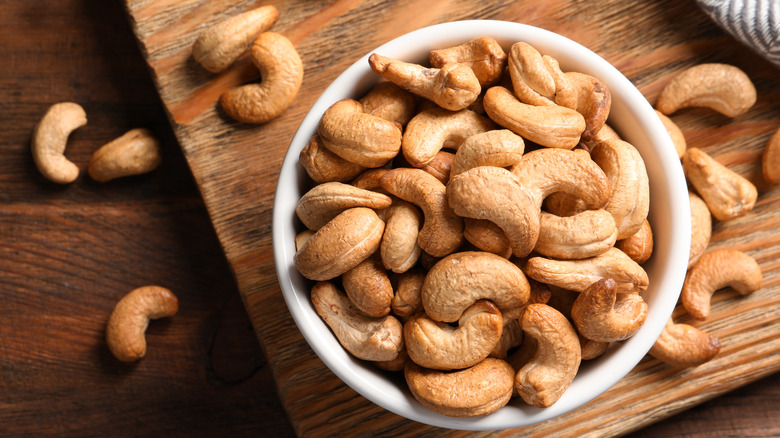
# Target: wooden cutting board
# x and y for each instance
(236, 166)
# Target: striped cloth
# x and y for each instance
(754, 22)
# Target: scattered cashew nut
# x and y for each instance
(50, 137)
(770, 159)
(134, 153)
(728, 194)
(603, 315)
(684, 345)
(676, 134)
(721, 87)
(701, 228)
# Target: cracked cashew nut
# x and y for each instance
(727, 194)
(130, 318)
(50, 137)
(721, 87)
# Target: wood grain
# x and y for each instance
(234, 166)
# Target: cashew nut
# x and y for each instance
(543, 380)
(281, 70)
(532, 81)
(440, 166)
(375, 339)
(368, 287)
(603, 315)
(361, 138)
(499, 148)
(552, 126)
(578, 275)
(487, 236)
(134, 153)
(479, 390)
(639, 246)
(369, 179)
(442, 230)
(566, 94)
(50, 137)
(407, 300)
(221, 44)
(721, 87)
(399, 249)
(591, 349)
(325, 201)
(397, 364)
(727, 194)
(674, 131)
(340, 245)
(437, 345)
(593, 101)
(390, 102)
(683, 345)
(459, 280)
(511, 337)
(130, 318)
(580, 236)
(452, 87)
(717, 269)
(770, 159)
(701, 228)
(432, 130)
(322, 165)
(483, 55)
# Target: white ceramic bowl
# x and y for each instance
(631, 116)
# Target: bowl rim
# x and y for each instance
(354, 81)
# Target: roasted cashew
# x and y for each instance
(397, 364)
(603, 315)
(325, 201)
(340, 245)
(452, 87)
(390, 102)
(483, 55)
(499, 148)
(676, 134)
(437, 345)
(591, 349)
(50, 137)
(281, 70)
(511, 337)
(440, 166)
(770, 159)
(369, 179)
(580, 236)
(715, 270)
(368, 287)
(361, 138)
(721, 87)
(543, 380)
(552, 126)
(639, 246)
(629, 199)
(407, 300)
(683, 345)
(578, 275)
(593, 102)
(128, 321)
(322, 165)
(367, 338)
(566, 93)
(532, 81)
(701, 228)
(442, 230)
(487, 236)
(399, 249)
(479, 390)
(728, 194)
(221, 44)
(134, 153)
(432, 130)
(459, 280)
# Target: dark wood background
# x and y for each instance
(68, 253)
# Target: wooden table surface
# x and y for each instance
(70, 252)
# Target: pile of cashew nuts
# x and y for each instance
(477, 225)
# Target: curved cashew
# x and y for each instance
(499, 148)
(361, 138)
(399, 248)
(578, 275)
(369, 179)
(543, 380)
(566, 93)
(683, 345)
(601, 314)
(442, 230)
(674, 131)
(721, 87)
(532, 80)
(487, 236)
(128, 321)
(368, 287)
(727, 194)
(593, 102)
(323, 165)
(452, 87)
(580, 236)
(701, 228)
(50, 137)
(591, 349)
(281, 70)
(134, 153)
(440, 166)
(407, 300)
(639, 246)
(552, 126)
(390, 102)
(375, 339)
(629, 199)
(483, 55)
(458, 280)
(325, 201)
(715, 270)
(770, 159)
(432, 130)
(221, 44)
(340, 245)
(479, 390)
(439, 346)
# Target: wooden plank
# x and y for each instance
(235, 166)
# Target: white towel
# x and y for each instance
(754, 22)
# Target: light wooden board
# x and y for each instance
(236, 166)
